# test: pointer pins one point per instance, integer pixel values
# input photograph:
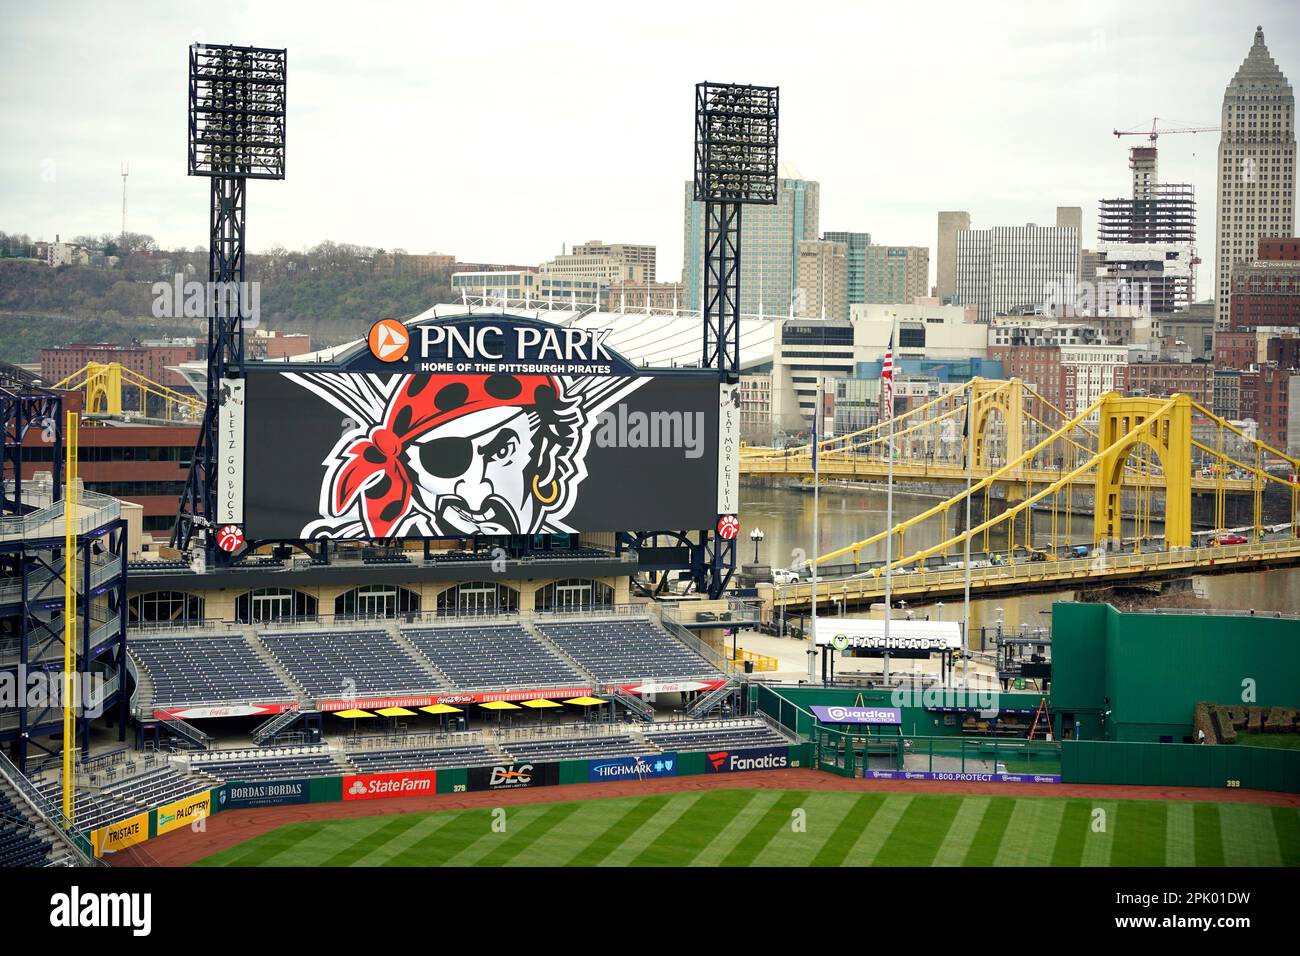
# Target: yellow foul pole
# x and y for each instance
(69, 615)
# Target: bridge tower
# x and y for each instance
(1167, 431)
(1007, 398)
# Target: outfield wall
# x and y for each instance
(1180, 765)
(851, 753)
(520, 775)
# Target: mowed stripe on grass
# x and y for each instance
(795, 828)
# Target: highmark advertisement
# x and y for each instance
(482, 425)
(633, 768)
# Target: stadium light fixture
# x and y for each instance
(735, 143)
(237, 111)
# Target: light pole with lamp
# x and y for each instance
(756, 536)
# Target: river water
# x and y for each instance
(852, 513)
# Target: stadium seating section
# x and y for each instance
(569, 555)
(380, 761)
(349, 663)
(145, 567)
(574, 748)
(492, 656)
(20, 844)
(736, 738)
(206, 668)
(276, 765)
(626, 650)
(129, 795)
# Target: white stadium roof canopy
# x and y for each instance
(654, 340)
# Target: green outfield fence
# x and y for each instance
(853, 753)
(1180, 765)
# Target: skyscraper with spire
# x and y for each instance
(1256, 195)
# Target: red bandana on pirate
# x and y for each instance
(374, 464)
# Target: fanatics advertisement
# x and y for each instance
(753, 758)
(480, 425)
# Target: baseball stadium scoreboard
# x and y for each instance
(471, 425)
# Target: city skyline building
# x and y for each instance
(769, 244)
(821, 280)
(1030, 269)
(896, 275)
(857, 243)
(951, 222)
(1256, 167)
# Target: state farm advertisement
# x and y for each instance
(383, 786)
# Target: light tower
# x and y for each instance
(236, 133)
(735, 164)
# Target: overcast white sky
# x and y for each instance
(498, 131)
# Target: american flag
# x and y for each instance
(887, 381)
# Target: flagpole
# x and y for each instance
(970, 471)
(812, 647)
(889, 500)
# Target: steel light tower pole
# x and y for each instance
(236, 133)
(735, 165)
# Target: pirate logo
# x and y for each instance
(456, 455)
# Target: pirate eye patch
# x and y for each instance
(446, 457)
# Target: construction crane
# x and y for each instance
(1154, 133)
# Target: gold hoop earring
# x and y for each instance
(537, 493)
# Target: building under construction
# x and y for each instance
(1147, 242)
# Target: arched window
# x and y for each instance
(274, 604)
(165, 607)
(377, 600)
(574, 594)
(478, 597)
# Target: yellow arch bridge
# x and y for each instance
(111, 390)
(1140, 457)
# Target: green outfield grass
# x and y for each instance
(756, 828)
(1283, 741)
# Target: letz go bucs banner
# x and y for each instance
(479, 425)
